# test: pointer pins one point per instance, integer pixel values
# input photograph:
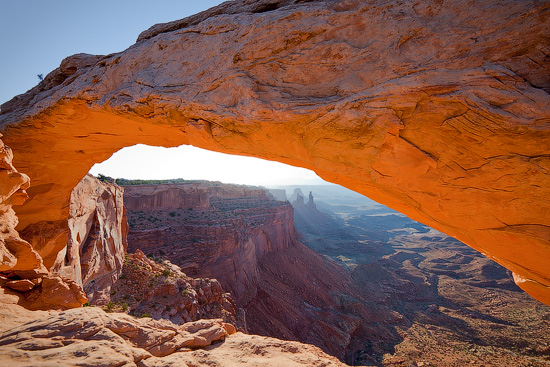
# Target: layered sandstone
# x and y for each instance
(248, 241)
(21, 268)
(94, 254)
(222, 232)
(90, 336)
(188, 195)
(160, 289)
(16, 254)
(439, 109)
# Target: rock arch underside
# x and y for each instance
(439, 109)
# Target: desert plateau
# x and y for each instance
(423, 239)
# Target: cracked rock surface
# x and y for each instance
(439, 109)
(89, 336)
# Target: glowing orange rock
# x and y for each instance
(438, 110)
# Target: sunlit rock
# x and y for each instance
(437, 109)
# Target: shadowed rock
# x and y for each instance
(439, 109)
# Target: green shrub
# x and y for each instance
(110, 307)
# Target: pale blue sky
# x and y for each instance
(35, 35)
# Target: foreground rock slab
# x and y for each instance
(251, 351)
(89, 336)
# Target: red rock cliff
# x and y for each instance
(21, 267)
(97, 243)
(16, 254)
(221, 231)
(247, 241)
(71, 337)
(438, 109)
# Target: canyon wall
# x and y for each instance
(97, 243)
(184, 196)
(91, 336)
(16, 253)
(21, 268)
(246, 239)
(222, 233)
(438, 109)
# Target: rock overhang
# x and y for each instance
(435, 110)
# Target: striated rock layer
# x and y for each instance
(439, 109)
(21, 268)
(89, 336)
(16, 254)
(160, 289)
(98, 227)
(247, 241)
(221, 233)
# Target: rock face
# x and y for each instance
(191, 195)
(16, 254)
(248, 242)
(439, 109)
(222, 233)
(97, 244)
(21, 268)
(160, 289)
(105, 339)
(89, 336)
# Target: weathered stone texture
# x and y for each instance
(439, 109)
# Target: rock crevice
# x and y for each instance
(432, 109)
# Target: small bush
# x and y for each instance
(145, 314)
(166, 272)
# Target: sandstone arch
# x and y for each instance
(439, 109)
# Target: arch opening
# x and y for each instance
(389, 254)
(460, 147)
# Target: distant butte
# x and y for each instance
(437, 109)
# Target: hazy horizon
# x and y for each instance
(191, 163)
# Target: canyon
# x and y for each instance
(441, 112)
(247, 240)
(438, 109)
(392, 285)
(89, 335)
(456, 306)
